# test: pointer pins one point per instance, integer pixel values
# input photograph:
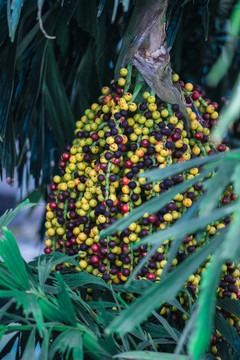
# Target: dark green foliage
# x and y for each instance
(47, 84)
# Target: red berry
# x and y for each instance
(233, 197)
(215, 105)
(186, 240)
(152, 218)
(221, 147)
(225, 200)
(95, 259)
(198, 135)
(211, 152)
(119, 274)
(125, 181)
(124, 208)
(95, 136)
(68, 244)
(53, 187)
(53, 205)
(206, 116)
(125, 248)
(95, 248)
(116, 98)
(195, 95)
(73, 214)
(62, 164)
(128, 164)
(145, 143)
(213, 339)
(65, 156)
(176, 136)
(151, 276)
(73, 241)
(116, 161)
(47, 250)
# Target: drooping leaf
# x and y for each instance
(11, 255)
(154, 204)
(230, 305)
(206, 306)
(64, 300)
(9, 215)
(228, 332)
(229, 113)
(69, 340)
(14, 8)
(167, 288)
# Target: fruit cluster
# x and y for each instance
(128, 131)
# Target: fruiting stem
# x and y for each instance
(138, 87)
(129, 77)
(106, 197)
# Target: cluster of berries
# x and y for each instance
(128, 131)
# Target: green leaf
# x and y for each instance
(230, 305)
(185, 334)
(150, 355)
(140, 309)
(228, 332)
(45, 264)
(64, 300)
(206, 308)
(216, 185)
(29, 303)
(176, 243)
(13, 14)
(221, 66)
(45, 345)
(153, 205)
(229, 113)
(83, 279)
(30, 347)
(13, 260)
(179, 229)
(69, 340)
(174, 333)
(9, 215)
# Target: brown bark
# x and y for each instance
(145, 46)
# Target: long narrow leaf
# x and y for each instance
(154, 204)
(13, 260)
(165, 289)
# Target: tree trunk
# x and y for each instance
(145, 45)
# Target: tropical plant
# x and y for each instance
(76, 315)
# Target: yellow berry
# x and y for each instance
(189, 87)
(123, 72)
